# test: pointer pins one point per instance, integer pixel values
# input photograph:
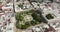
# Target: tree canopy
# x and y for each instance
(22, 24)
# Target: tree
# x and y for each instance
(20, 5)
(19, 17)
(33, 22)
(49, 16)
(18, 25)
(36, 16)
(51, 0)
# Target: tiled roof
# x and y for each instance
(1, 6)
(1, 14)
